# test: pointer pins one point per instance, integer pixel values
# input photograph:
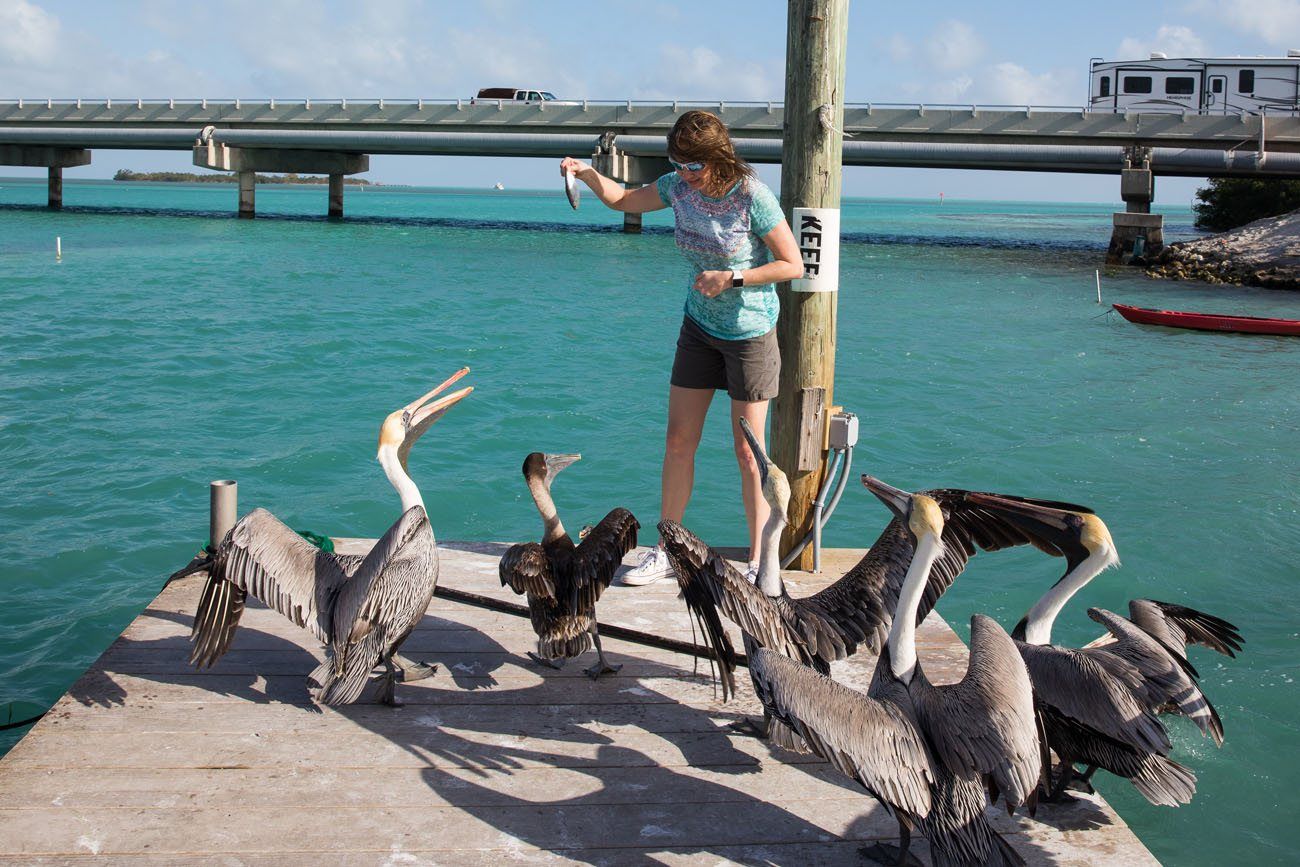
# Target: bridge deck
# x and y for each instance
(1278, 133)
(146, 761)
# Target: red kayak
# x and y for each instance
(1209, 321)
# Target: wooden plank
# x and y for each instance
(147, 761)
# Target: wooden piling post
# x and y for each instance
(811, 162)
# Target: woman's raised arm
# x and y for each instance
(611, 192)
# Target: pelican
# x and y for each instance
(361, 608)
(857, 609)
(562, 580)
(1098, 706)
(1177, 626)
(909, 742)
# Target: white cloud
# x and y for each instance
(1276, 22)
(954, 45)
(1174, 40)
(898, 48)
(28, 34)
(1010, 84)
(698, 72)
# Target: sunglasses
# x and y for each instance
(685, 167)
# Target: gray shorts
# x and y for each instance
(748, 369)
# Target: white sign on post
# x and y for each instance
(817, 232)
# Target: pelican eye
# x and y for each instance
(406, 419)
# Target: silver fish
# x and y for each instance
(571, 189)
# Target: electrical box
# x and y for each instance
(844, 430)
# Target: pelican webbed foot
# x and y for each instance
(557, 663)
(1058, 794)
(409, 671)
(748, 727)
(1083, 782)
(601, 667)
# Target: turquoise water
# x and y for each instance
(174, 344)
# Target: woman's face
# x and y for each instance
(696, 174)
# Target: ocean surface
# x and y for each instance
(174, 344)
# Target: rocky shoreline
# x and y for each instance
(1263, 253)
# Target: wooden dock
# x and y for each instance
(146, 761)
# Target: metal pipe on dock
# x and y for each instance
(223, 500)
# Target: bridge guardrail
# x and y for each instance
(676, 105)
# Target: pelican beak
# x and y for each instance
(760, 456)
(555, 463)
(422, 413)
(1051, 528)
(898, 501)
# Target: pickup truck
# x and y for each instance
(513, 94)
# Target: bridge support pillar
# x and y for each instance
(247, 195)
(630, 170)
(336, 197)
(1138, 235)
(246, 162)
(55, 159)
(55, 201)
(632, 222)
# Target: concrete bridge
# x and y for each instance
(626, 139)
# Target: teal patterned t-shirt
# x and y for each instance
(726, 234)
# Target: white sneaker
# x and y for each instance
(654, 567)
(751, 573)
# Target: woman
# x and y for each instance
(733, 234)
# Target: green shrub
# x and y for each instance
(1231, 202)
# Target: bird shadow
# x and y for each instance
(634, 770)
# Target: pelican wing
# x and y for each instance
(871, 741)
(525, 568)
(263, 557)
(1161, 780)
(690, 559)
(985, 723)
(863, 601)
(1099, 690)
(598, 557)
(709, 581)
(375, 610)
(1169, 681)
(1177, 626)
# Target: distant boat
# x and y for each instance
(498, 186)
(1209, 321)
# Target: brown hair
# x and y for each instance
(699, 136)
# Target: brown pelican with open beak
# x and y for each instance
(361, 607)
(911, 743)
(855, 610)
(1098, 705)
(562, 581)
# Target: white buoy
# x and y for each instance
(58, 247)
(1098, 273)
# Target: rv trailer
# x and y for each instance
(1197, 85)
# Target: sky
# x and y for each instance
(989, 53)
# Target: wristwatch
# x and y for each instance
(737, 279)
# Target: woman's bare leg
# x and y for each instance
(687, 408)
(751, 492)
